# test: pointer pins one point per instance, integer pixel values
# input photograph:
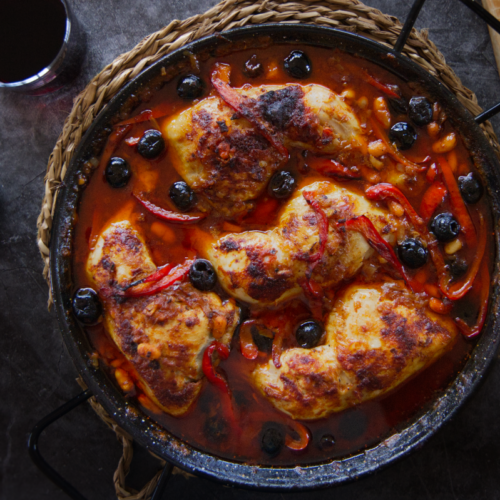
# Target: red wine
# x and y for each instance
(31, 35)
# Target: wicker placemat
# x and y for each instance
(349, 15)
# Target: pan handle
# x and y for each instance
(492, 21)
(34, 452)
(54, 476)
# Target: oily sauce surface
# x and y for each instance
(210, 425)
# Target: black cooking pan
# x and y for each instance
(129, 415)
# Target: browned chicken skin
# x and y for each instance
(228, 161)
(377, 336)
(163, 335)
(268, 267)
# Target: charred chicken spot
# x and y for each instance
(107, 264)
(229, 246)
(154, 364)
(222, 125)
(192, 321)
(279, 107)
(268, 289)
(368, 380)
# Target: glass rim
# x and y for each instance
(52, 67)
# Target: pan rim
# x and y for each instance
(420, 428)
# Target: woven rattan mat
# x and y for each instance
(349, 15)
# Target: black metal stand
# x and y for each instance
(476, 8)
(54, 476)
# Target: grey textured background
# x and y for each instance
(36, 374)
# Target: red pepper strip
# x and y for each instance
(314, 293)
(247, 345)
(113, 141)
(144, 116)
(175, 275)
(385, 190)
(208, 367)
(485, 292)
(265, 209)
(311, 288)
(439, 264)
(277, 347)
(431, 173)
(332, 168)
(379, 132)
(431, 200)
(363, 225)
(281, 328)
(304, 437)
(458, 290)
(459, 208)
(322, 222)
(244, 106)
(378, 85)
(132, 141)
(168, 215)
(156, 276)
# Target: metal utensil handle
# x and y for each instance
(476, 8)
(54, 476)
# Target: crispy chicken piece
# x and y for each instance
(222, 157)
(377, 336)
(308, 117)
(162, 335)
(268, 267)
(227, 157)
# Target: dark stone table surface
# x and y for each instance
(36, 374)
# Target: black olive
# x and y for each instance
(445, 227)
(151, 144)
(263, 343)
(457, 267)
(412, 253)
(327, 442)
(420, 111)
(87, 306)
(202, 275)
(252, 68)
(272, 441)
(190, 87)
(398, 106)
(216, 428)
(117, 172)
(471, 188)
(403, 134)
(282, 184)
(182, 196)
(298, 65)
(308, 334)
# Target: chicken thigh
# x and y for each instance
(377, 336)
(227, 151)
(268, 267)
(162, 335)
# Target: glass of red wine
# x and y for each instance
(41, 45)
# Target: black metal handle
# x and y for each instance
(34, 452)
(54, 476)
(475, 7)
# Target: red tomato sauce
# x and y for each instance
(354, 429)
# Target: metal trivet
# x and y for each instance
(159, 490)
